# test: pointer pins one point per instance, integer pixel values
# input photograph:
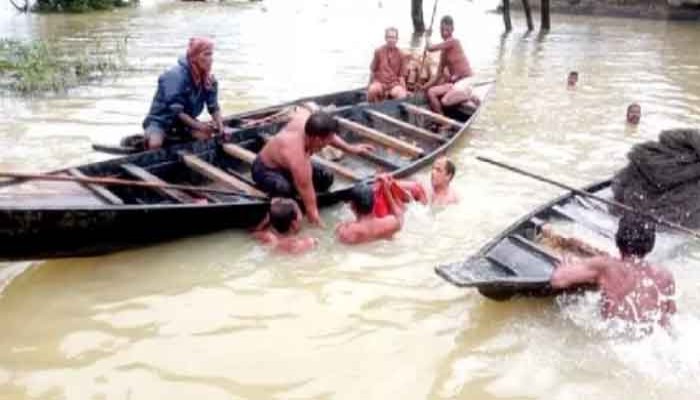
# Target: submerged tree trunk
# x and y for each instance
(506, 15)
(417, 16)
(544, 25)
(528, 15)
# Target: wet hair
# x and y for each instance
(447, 20)
(391, 29)
(361, 196)
(635, 235)
(282, 214)
(320, 124)
(450, 167)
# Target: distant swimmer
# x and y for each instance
(572, 80)
(632, 289)
(634, 114)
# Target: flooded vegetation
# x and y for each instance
(37, 66)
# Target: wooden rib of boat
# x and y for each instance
(519, 261)
(41, 220)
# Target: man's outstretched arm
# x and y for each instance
(577, 273)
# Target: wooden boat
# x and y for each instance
(50, 219)
(132, 144)
(520, 260)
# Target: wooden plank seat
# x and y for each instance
(406, 127)
(140, 173)
(432, 115)
(217, 175)
(104, 194)
(381, 137)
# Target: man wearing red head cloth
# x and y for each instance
(182, 92)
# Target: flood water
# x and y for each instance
(218, 317)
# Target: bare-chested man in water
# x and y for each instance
(440, 177)
(283, 167)
(281, 229)
(367, 226)
(632, 289)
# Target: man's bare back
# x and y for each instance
(286, 148)
(286, 244)
(283, 167)
(367, 226)
(641, 293)
(368, 229)
(632, 289)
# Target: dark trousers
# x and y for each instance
(279, 182)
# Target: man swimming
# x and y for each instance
(632, 289)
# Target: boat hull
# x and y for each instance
(43, 227)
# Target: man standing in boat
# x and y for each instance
(387, 71)
(450, 85)
(632, 289)
(182, 93)
(283, 167)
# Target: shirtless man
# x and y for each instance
(283, 167)
(440, 177)
(387, 70)
(634, 114)
(282, 226)
(367, 227)
(632, 289)
(450, 85)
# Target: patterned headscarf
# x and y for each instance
(201, 74)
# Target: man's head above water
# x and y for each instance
(635, 236)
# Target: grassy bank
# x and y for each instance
(38, 66)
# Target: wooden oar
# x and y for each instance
(121, 182)
(430, 30)
(580, 192)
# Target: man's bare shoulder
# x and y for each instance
(662, 276)
(350, 232)
(385, 227)
(296, 245)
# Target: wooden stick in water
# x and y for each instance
(580, 192)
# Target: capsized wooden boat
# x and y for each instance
(520, 260)
(50, 219)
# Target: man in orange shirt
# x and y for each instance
(387, 70)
